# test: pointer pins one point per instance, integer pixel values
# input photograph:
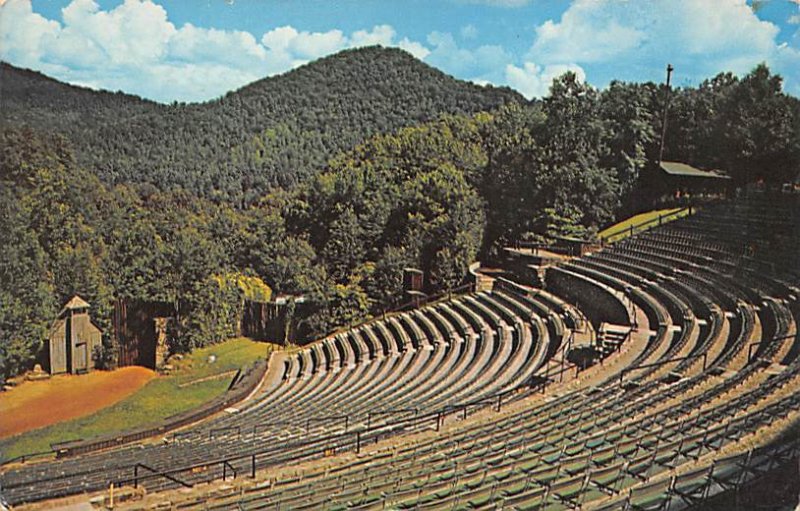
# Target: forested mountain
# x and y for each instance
(31, 98)
(276, 131)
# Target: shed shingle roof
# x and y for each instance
(675, 168)
(76, 302)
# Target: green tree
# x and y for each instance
(757, 130)
(627, 111)
(345, 248)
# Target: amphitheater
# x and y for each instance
(472, 402)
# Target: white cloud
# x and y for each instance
(288, 42)
(534, 81)
(584, 38)
(482, 63)
(700, 37)
(287, 47)
(380, 34)
(199, 81)
(24, 35)
(598, 30)
(414, 48)
(134, 47)
(193, 44)
(447, 55)
(134, 33)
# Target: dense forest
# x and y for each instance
(276, 131)
(391, 184)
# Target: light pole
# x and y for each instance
(670, 69)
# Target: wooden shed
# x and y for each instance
(73, 339)
(682, 179)
(413, 279)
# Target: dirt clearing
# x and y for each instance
(35, 404)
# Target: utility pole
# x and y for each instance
(670, 69)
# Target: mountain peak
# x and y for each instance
(276, 131)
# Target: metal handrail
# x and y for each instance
(704, 356)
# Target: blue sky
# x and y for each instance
(194, 50)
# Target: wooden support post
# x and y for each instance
(136, 476)
(253, 466)
(358, 442)
(111, 496)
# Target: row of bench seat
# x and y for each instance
(566, 452)
(456, 351)
(624, 443)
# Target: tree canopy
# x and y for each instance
(274, 132)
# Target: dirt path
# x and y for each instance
(40, 403)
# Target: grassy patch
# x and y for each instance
(622, 230)
(158, 399)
